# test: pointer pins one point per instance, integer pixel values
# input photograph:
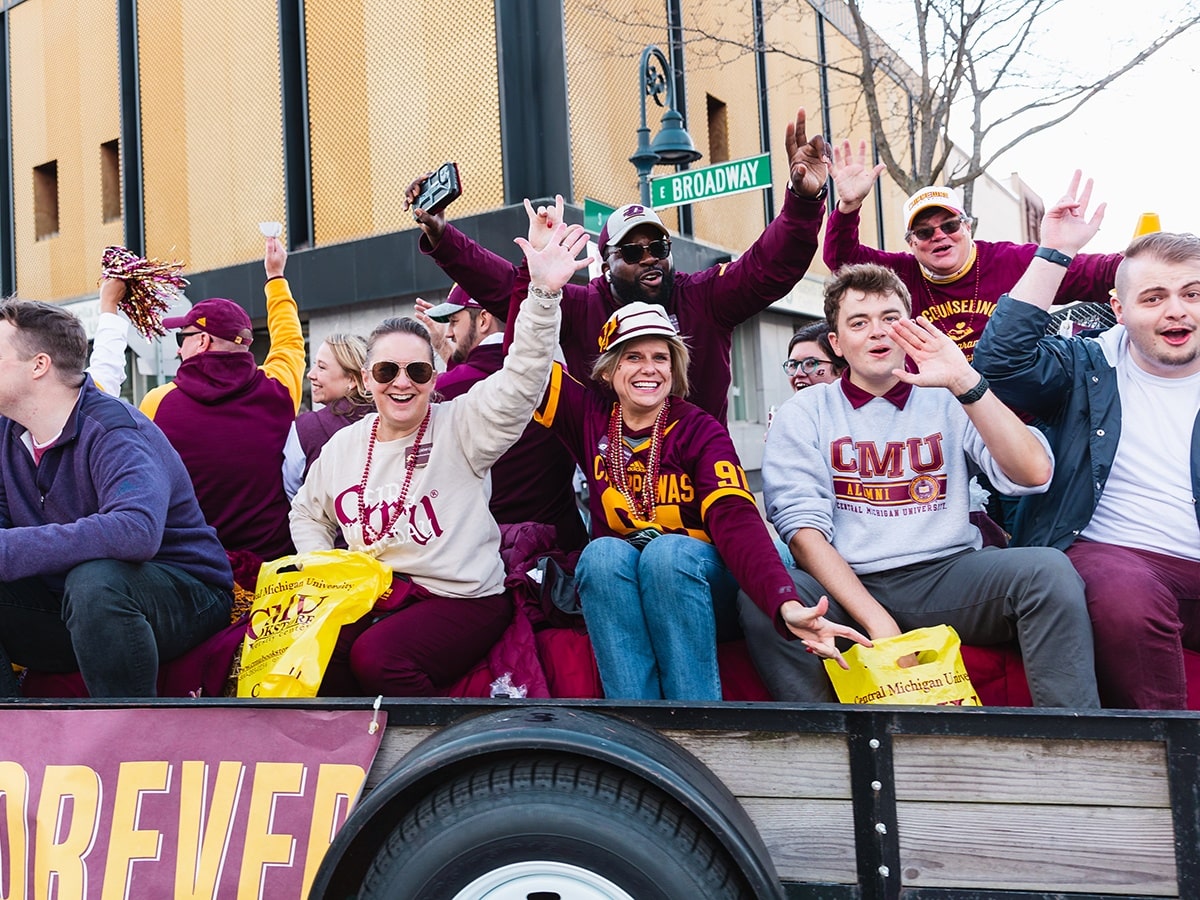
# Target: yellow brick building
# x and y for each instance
(175, 126)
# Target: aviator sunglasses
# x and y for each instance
(949, 227)
(386, 372)
(633, 253)
(807, 366)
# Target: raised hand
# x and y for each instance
(543, 221)
(852, 177)
(1066, 227)
(112, 292)
(437, 330)
(274, 258)
(816, 632)
(940, 362)
(808, 159)
(433, 224)
(552, 266)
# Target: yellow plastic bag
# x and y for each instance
(300, 604)
(938, 679)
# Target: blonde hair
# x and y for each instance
(350, 352)
(606, 366)
(1164, 246)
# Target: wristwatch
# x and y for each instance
(974, 394)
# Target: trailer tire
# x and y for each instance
(545, 822)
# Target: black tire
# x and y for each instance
(604, 824)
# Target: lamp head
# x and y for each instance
(673, 145)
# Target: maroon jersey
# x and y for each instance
(962, 308)
(701, 490)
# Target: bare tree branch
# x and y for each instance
(972, 58)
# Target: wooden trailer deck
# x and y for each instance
(863, 802)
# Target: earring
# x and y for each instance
(608, 277)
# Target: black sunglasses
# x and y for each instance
(925, 232)
(417, 372)
(633, 253)
(181, 336)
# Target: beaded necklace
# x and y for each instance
(643, 505)
(929, 291)
(410, 465)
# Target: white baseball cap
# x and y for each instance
(624, 220)
(931, 198)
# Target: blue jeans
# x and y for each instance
(114, 622)
(655, 616)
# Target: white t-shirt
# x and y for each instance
(1147, 500)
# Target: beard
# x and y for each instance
(631, 290)
(463, 350)
(1168, 357)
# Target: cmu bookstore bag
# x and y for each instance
(939, 677)
(300, 604)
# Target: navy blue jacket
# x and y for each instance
(1070, 385)
(110, 487)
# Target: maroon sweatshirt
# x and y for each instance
(228, 419)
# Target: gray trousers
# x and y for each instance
(988, 596)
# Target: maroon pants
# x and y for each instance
(419, 649)
(1145, 608)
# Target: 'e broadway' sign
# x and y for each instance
(734, 177)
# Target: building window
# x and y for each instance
(45, 200)
(110, 181)
(744, 364)
(718, 130)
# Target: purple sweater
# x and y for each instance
(706, 306)
(531, 482)
(962, 308)
(315, 428)
(702, 490)
(110, 487)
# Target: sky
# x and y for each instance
(1137, 139)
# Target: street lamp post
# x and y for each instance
(672, 145)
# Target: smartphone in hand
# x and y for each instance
(439, 190)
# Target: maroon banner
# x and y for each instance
(182, 803)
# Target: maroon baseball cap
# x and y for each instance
(456, 301)
(216, 316)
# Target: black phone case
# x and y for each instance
(440, 189)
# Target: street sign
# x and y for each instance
(595, 214)
(721, 180)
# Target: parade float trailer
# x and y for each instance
(557, 800)
(471, 800)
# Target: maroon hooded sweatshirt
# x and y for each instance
(228, 419)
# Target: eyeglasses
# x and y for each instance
(181, 336)
(387, 372)
(807, 366)
(949, 227)
(633, 253)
